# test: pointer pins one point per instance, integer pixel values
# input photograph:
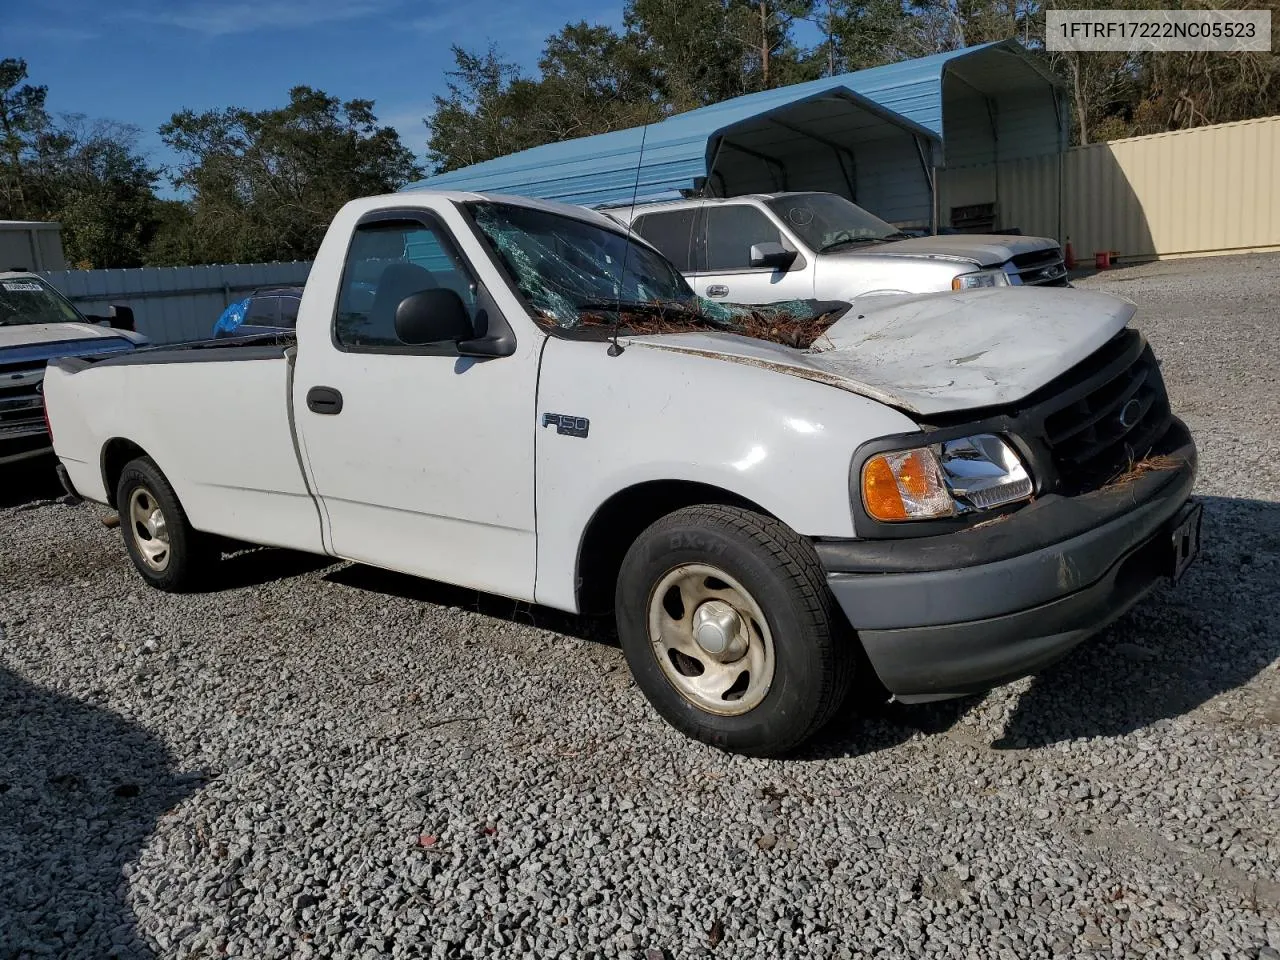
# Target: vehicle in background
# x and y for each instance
(765, 248)
(37, 324)
(515, 396)
(267, 310)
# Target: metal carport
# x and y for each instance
(875, 136)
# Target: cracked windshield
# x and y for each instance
(574, 273)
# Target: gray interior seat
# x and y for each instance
(397, 281)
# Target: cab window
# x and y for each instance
(386, 262)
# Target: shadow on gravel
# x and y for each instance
(593, 629)
(258, 566)
(1185, 644)
(28, 481)
(865, 726)
(80, 790)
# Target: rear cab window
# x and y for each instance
(673, 233)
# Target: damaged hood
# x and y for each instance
(937, 353)
(984, 250)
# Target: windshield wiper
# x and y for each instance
(845, 240)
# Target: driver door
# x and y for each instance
(421, 460)
(726, 274)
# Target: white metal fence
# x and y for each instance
(171, 304)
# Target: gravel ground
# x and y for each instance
(325, 760)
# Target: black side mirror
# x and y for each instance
(432, 316)
(120, 317)
(773, 255)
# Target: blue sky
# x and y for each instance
(139, 61)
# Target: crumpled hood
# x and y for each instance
(938, 352)
(984, 250)
(30, 334)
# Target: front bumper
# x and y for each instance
(963, 612)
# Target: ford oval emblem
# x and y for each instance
(1130, 412)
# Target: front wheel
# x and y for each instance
(162, 544)
(728, 627)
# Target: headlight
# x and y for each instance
(945, 479)
(982, 278)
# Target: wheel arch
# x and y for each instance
(622, 517)
(116, 454)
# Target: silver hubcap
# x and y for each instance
(150, 534)
(711, 639)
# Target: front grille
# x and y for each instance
(1037, 258)
(1041, 268)
(21, 403)
(1107, 415)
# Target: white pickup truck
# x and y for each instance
(945, 492)
(763, 248)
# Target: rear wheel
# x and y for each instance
(728, 626)
(167, 551)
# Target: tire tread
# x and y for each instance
(798, 565)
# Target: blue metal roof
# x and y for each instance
(902, 99)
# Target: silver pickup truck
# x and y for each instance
(38, 324)
(765, 248)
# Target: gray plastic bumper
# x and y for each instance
(947, 630)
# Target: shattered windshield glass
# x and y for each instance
(577, 274)
(25, 300)
(826, 221)
(565, 266)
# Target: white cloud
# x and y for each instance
(50, 32)
(216, 20)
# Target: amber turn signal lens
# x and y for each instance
(905, 485)
(880, 491)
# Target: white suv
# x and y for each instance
(764, 248)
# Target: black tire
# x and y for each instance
(813, 649)
(190, 554)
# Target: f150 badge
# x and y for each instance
(567, 425)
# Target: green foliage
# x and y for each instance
(264, 185)
(87, 176)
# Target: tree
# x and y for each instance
(481, 116)
(87, 175)
(591, 80)
(765, 30)
(697, 47)
(264, 185)
(858, 34)
(105, 194)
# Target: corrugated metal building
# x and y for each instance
(876, 136)
(31, 245)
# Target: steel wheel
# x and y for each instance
(711, 639)
(149, 529)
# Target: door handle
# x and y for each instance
(325, 400)
(717, 290)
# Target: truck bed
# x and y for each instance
(215, 416)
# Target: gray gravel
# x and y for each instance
(325, 760)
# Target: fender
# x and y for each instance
(776, 441)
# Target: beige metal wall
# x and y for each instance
(1188, 193)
